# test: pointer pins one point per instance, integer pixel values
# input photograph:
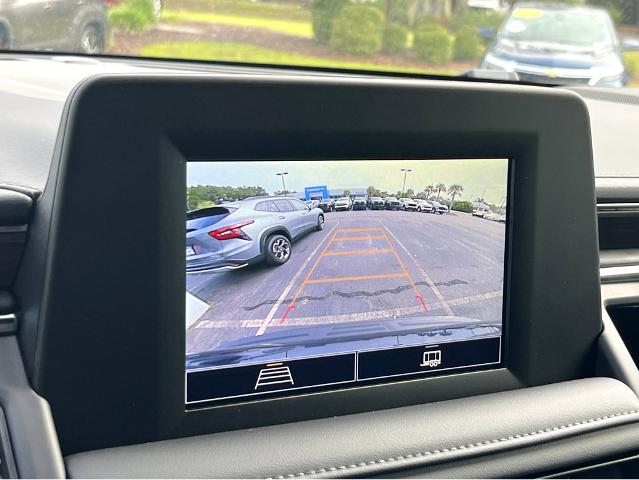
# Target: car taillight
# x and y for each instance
(232, 231)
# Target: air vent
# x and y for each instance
(618, 212)
(618, 225)
(15, 212)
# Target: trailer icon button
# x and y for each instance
(431, 359)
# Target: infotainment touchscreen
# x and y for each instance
(304, 276)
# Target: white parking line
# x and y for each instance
(195, 308)
(352, 317)
(264, 324)
(423, 273)
(479, 254)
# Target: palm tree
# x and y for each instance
(440, 187)
(429, 190)
(453, 191)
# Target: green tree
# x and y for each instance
(200, 196)
(373, 192)
(453, 191)
(322, 13)
(358, 30)
(410, 193)
(433, 44)
(283, 192)
(347, 193)
(395, 38)
(439, 188)
(429, 190)
(464, 206)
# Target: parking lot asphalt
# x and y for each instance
(364, 265)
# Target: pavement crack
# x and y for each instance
(356, 294)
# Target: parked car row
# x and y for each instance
(343, 204)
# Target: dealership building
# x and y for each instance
(322, 192)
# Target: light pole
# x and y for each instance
(281, 174)
(405, 170)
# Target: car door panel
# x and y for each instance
(305, 217)
(30, 23)
(288, 216)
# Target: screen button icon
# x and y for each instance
(431, 359)
(427, 359)
(259, 379)
(273, 374)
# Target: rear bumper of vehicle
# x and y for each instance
(208, 264)
(229, 267)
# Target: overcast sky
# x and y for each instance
(478, 177)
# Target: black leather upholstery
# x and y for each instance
(15, 208)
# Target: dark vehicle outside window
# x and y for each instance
(59, 25)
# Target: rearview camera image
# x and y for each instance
(307, 275)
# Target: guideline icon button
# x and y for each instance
(273, 374)
(431, 359)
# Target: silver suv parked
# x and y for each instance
(233, 235)
(343, 203)
(408, 204)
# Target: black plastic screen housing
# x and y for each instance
(102, 283)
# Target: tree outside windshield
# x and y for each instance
(441, 37)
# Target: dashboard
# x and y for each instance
(332, 316)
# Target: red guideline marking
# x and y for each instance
(288, 309)
(422, 301)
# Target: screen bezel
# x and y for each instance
(203, 404)
(135, 345)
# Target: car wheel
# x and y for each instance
(320, 223)
(278, 250)
(92, 40)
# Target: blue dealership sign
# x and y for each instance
(315, 192)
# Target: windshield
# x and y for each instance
(583, 42)
(206, 217)
(564, 28)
